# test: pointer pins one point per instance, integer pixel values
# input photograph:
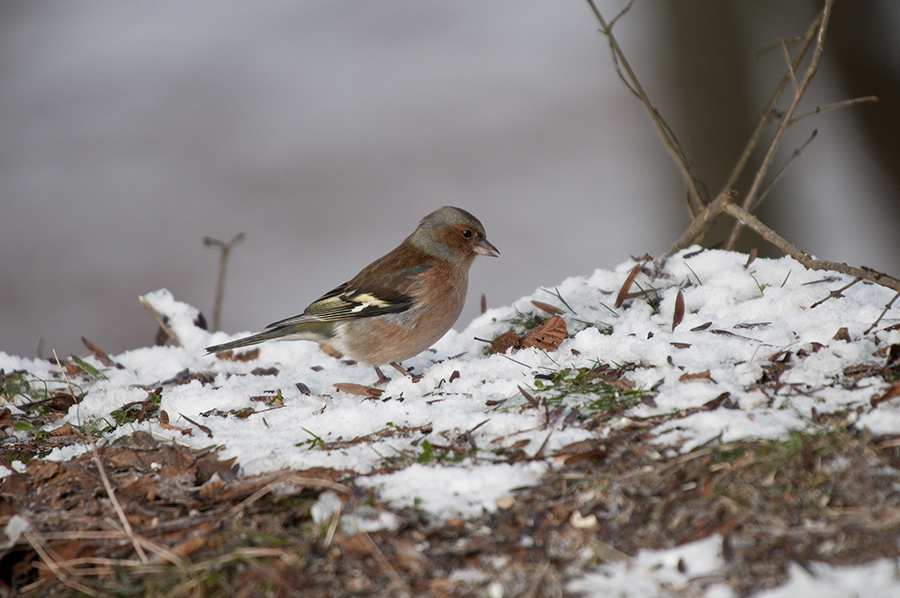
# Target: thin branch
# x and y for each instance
(703, 221)
(803, 257)
(58, 571)
(126, 525)
(844, 104)
(224, 250)
(811, 70)
(162, 323)
(836, 293)
(723, 204)
(396, 581)
(695, 204)
(783, 169)
(790, 66)
(110, 492)
(884, 311)
(770, 107)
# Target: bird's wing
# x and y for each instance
(391, 295)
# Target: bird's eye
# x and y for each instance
(467, 233)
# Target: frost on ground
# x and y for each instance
(754, 427)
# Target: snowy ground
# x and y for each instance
(738, 320)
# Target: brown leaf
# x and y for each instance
(699, 375)
(842, 335)
(358, 389)
(623, 292)
(550, 309)
(503, 342)
(201, 426)
(101, 356)
(547, 335)
(750, 258)
(893, 391)
(716, 402)
(681, 345)
(679, 310)
(230, 355)
(63, 430)
(530, 398)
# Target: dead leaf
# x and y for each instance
(358, 389)
(550, 309)
(230, 355)
(893, 391)
(704, 375)
(547, 335)
(503, 342)
(623, 292)
(842, 334)
(64, 430)
(679, 309)
(528, 397)
(101, 356)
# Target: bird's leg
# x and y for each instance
(382, 379)
(404, 371)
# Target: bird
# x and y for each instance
(397, 306)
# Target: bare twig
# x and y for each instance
(804, 258)
(703, 221)
(723, 204)
(836, 293)
(886, 309)
(61, 572)
(126, 525)
(224, 250)
(287, 478)
(161, 321)
(386, 566)
(763, 169)
(770, 107)
(783, 169)
(843, 104)
(629, 78)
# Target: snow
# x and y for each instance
(878, 579)
(736, 319)
(660, 573)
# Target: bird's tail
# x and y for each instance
(253, 339)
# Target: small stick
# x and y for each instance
(837, 293)
(162, 323)
(109, 489)
(804, 258)
(783, 169)
(61, 575)
(630, 79)
(224, 250)
(886, 309)
(751, 197)
(724, 204)
(126, 525)
(844, 104)
(396, 580)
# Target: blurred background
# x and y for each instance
(324, 130)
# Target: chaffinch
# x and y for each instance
(400, 304)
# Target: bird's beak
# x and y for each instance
(484, 247)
